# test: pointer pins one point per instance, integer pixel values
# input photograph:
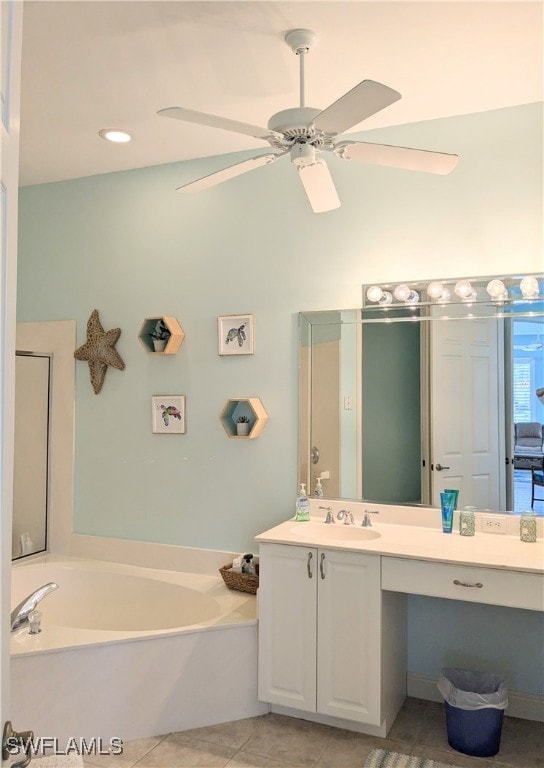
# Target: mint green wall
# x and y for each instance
(391, 412)
(131, 247)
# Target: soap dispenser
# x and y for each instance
(318, 490)
(302, 513)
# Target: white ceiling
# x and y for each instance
(90, 65)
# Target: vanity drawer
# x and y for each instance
(463, 582)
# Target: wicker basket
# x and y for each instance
(242, 582)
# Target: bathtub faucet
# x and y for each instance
(19, 615)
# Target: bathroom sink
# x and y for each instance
(334, 532)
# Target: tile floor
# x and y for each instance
(275, 741)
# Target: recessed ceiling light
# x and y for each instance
(115, 134)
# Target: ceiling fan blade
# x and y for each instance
(212, 179)
(319, 186)
(213, 121)
(356, 105)
(397, 157)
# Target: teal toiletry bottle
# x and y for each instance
(302, 513)
(318, 490)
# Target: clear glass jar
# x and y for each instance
(467, 521)
(527, 526)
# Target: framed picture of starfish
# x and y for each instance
(236, 334)
(168, 414)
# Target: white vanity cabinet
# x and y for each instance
(330, 642)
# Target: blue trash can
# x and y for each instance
(475, 704)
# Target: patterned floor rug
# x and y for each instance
(379, 758)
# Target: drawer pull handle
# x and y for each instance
(458, 583)
(309, 566)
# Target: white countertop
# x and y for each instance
(485, 550)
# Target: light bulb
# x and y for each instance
(529, 287)
(435, 290)
(374, 293)
(402, 292)
(386, 298)
(446, 296)
(116, 135)
(463, 289)
(496, 289)
(413, 298)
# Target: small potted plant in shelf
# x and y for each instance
(159, 336)
(242, 426)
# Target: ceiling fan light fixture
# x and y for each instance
(116, 135)
(302, 154)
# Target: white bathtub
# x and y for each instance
(131, 652)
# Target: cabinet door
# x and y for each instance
(287, 625)
(348, 638)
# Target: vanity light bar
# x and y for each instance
(498, 290)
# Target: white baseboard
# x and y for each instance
(527, 706)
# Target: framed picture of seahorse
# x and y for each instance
(236, 334)
(168, 414)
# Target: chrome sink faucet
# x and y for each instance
(346, 516)
(330, 517)
(367, 523)
(19, 615)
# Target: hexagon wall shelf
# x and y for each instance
(177, 335)
(244, 406)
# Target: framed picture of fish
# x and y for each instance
(236, 334)
(168, 414)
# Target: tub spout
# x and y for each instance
(19, 615)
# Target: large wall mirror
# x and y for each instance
(408, 396)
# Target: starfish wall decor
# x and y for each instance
(99, 351)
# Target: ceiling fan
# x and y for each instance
(304, 132)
